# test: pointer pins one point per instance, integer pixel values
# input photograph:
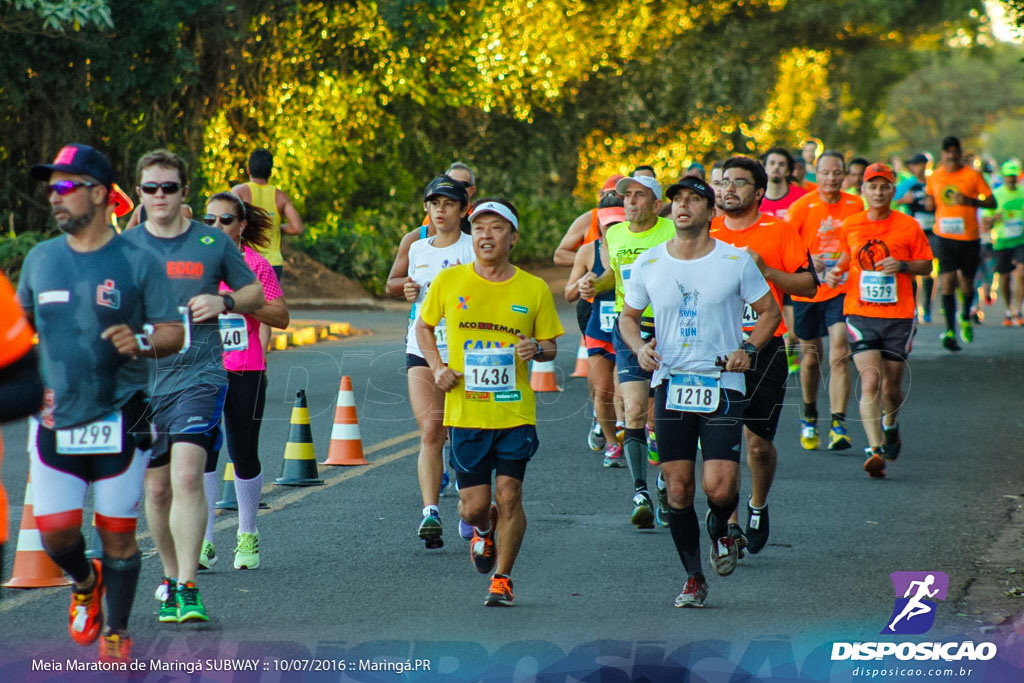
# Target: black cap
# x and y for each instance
(79, 159)
(691, 183)
(917, 159)
(951, 142)
(445, 186)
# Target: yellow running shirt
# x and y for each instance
(484, 316)
(265, 197)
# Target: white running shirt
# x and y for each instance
(698, 306)
(425, 262)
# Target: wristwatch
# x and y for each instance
(540, 349)
(904, 266)
(750, 349)
(229, 302)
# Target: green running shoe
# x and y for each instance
(948, 340)
(207, 557)
(966, 331)
(247, 552)
(430, 532)
(167, 594)
(190, 604)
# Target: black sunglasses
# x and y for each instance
(66, 187)
(168, 188)
(225, 219)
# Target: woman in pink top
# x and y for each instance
(246, 365)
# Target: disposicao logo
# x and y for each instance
(913, 613)
(916, 594)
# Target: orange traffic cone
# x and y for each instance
(542, 377)
(299, 467)
(33, 568)
(346, 444)
(582, 365)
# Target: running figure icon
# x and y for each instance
(917, 594)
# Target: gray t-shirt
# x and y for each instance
(196, 262)
(71, 297)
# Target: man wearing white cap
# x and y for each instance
(498, 318)
(644, 230)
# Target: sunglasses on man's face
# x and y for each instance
(66, 187)
(225, 219)
(168, 188)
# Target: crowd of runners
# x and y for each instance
(695, 303)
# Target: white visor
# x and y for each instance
(495, 207)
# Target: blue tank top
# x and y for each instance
(605, 301)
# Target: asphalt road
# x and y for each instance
(344, 578)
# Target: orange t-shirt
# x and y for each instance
(818, 223)
(954, 221)
(776, 242)
(15, 332)
(874, 294)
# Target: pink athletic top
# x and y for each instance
(253, 358)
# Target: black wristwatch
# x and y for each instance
(540, 349)
(750, 349)
(229, 302)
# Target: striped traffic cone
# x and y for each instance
(542, 377)
(346, 444)
(299, 467)
(582, 365)
(228, 495)
(33, 568)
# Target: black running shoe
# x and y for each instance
(757, 528)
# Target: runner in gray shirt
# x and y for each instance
(100, 305)
(189, 394)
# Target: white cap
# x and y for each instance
(647, 181)
(497, 208)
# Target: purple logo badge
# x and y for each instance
(916, 596)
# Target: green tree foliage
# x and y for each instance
(363, 102)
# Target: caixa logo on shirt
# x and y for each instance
(107, 295)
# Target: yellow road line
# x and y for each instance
(280, 502)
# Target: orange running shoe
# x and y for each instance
(86, 614)
(481, 548)
(500, 594)
(116, 647)
(875, 464)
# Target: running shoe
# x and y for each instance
(793, 360)
(430, 531)
(500, 594)
(86, 614)
(465, 530)
(1018, 321)
(948, 340)
(595, 438)
(652, 448)
(739, 538)
(481, 548)
(694, 593)
(924, 317)
(167, 594)
(838, 439)
(875, 464)
(643, 511)
(115, 648)
(724, 554)
(613, 456)
(661, 514)
(966, 331)
(1008, 320)
(190, 604)
(247, 551)
(893, 443)
(758, 528)
(809, 435)
(445, 481)
(207, 557)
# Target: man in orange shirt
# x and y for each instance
(21, 388)
(817, 216)
(955, 193)
(890, 248)
(784, 262)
